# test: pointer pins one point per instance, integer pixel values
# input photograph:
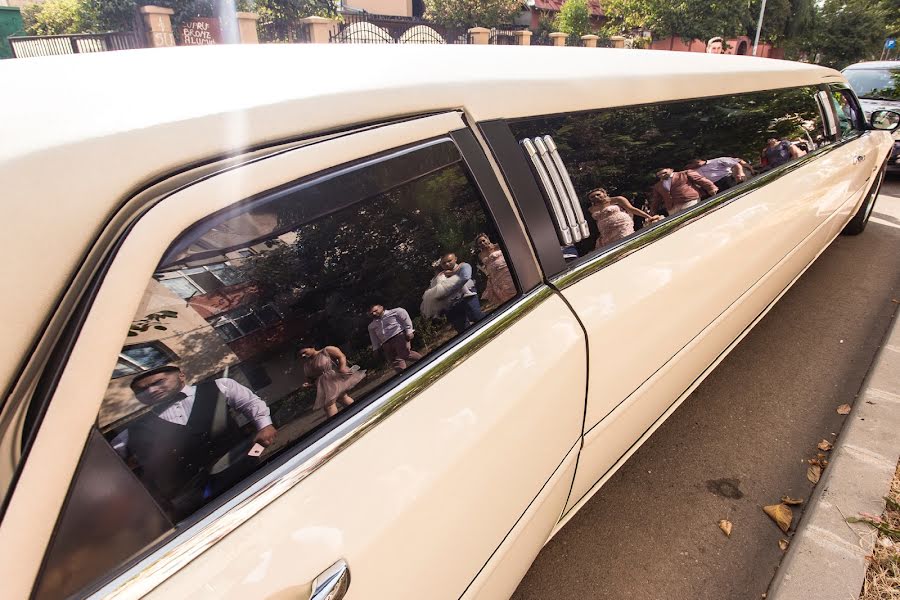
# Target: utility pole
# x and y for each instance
(762, 9)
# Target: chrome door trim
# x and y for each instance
(670, 225)
(178, 552)
(544, 153)
(553, 151)
(555, 204)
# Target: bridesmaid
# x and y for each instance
(327, 370)
(613, 216)
(500, 286)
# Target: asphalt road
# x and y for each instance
(738, 443)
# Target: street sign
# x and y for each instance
(890, 43)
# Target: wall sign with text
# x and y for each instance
(201, 32)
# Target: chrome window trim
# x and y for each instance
(670, 225)
(555, 204)
(559, 189)
(580, 223)
(178, 552)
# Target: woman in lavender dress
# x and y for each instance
(327, 370)
(613, 216)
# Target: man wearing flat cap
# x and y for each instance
(187, 431)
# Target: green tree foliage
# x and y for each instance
(574, 18)
(279, 19)
(53, 17)
(472, 13)
(688, 19)
(848, 32)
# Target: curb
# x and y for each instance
(827, 556)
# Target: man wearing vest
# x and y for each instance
(188, 445)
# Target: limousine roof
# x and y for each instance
(81, 133)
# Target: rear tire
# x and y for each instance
(859, 221)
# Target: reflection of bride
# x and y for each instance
(434, 300)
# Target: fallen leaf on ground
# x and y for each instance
(781, 514)
(783, 544)
(825, 445)
(843, 409)
(726, 527)
(813, 473)
(791, 501)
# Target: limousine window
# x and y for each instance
(333, 288)
(849, 114)
(631, 167)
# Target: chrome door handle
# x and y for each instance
(332, 583)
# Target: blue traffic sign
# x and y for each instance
(890, 43)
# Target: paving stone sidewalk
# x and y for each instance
(826, 558)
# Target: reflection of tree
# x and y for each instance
(376, 251)
(620, 149)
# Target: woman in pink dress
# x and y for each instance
(613, 216)
(327, 370)
(500, 286)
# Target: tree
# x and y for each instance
(689, 19)
(574, 18)
(472, 13)
(53, 17)
(279, 19)
(848, 32)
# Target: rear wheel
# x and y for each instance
(859, 221)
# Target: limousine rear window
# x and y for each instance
(275, 320)
(624, 161)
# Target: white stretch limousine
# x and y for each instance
(375, 322)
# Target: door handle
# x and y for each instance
(859, 159)
(332, 583)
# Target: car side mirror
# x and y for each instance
(885, 120)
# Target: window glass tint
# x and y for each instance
(875, 84)
(264, 323)
(849, 115)
(633, 166)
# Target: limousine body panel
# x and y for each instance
(682, 284)
(215, 115)
(429, 493)
(427, 468)
(451, 490)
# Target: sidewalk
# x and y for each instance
(826, 557)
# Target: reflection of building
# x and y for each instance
(186, 339)
(212, 321)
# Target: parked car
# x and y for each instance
(375, 322)
(877, 85)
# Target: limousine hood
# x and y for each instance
(82, 133)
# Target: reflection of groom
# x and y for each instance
(187, 430)
(462, 298)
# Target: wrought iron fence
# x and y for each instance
(505, 35)
(282, 32)
(367, 28)
(51, 45)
